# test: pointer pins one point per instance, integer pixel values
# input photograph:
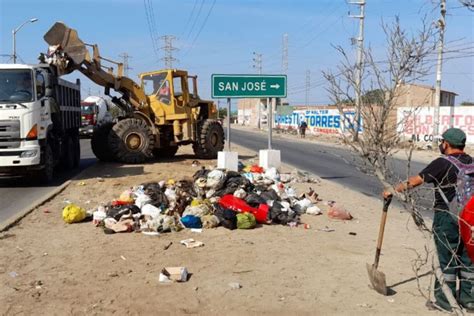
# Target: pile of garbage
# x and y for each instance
(209, 199)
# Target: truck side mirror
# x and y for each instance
(48, 84)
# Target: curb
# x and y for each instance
(12, 221)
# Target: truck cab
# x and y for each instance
(37, 120)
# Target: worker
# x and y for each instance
(23, 86)
(453, 258)
(303, 126)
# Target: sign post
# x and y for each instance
(232, 86)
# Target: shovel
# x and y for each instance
(377, 278)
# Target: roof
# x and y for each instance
(428, 87)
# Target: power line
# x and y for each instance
(196, 19)
(202, 27)
(190, 16)
(151, 29)
(169, 49)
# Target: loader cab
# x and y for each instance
(169, 87)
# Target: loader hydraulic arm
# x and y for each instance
(69, 53)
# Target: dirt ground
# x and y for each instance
(48, 267)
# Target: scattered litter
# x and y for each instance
(338, 212)
(191, 243)
(19, 248)
(150, 233)
(168, 246)
(353, 233)
(326, 229)
(173, 274)
(13, 274)
(46, 211)
(99, 179)
(391, 300)
(195, 163)
(82, 183)
(123, 258)
(365, 305)
(73, 214)
(235, 285)
(313, 210)
(196, 230)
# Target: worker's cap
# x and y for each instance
(454, 136)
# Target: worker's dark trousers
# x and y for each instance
(454, 261)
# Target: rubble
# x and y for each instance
(213, 198)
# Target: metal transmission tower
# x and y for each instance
(125, 57)
(169, 49)
(307, 87)
(284, 56)
(439, 66)
(359, 64)
(257, 64)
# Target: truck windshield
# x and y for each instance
(16, 85)
(87, 109)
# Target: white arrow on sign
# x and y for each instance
(275, 86)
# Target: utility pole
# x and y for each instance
(284, 55)
(169, 49)
(439, 65)
(257, 65)
(359, 65)
(125, 57)
(307, 87)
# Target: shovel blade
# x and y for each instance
(377, 279)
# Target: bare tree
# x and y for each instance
(406, 61)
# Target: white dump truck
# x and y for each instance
(40, 117)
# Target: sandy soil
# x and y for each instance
(50, 268)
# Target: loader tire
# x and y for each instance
(131, 141)
(210, 140)
(100, 142)
(165, 152)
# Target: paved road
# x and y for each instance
(16, 194)
(331, 163)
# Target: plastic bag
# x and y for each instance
(246, 221)
(239, 205)
(191, 221)
(210, 221)
(227, 218)
(272, 174)
(126, 197)
(215, 179)
(142, 199)
(151, 210)
(339, 212)
(240, 193)
(313, 210)
(199, 210)
(302, 205)
(73, 214)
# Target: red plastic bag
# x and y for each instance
(466, 226)
(256, 169)
(339, 212)
(233, 203)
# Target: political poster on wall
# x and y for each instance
(319, 121)
(417, 124)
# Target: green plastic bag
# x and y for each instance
(246, 221)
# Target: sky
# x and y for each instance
(220, 36)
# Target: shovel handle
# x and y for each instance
(386, 204)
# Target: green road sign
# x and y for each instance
(249, 86)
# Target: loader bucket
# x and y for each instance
(68, 41)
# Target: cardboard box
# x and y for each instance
(173, 274)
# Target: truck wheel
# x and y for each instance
(77, 150)
(100, 142)
(132, 141)
(45, 175)
(210, 140)
(165, 152)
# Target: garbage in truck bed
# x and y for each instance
(212, 198)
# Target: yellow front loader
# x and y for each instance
(163, 112)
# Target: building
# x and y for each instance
(248, 111)
(416, 95)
